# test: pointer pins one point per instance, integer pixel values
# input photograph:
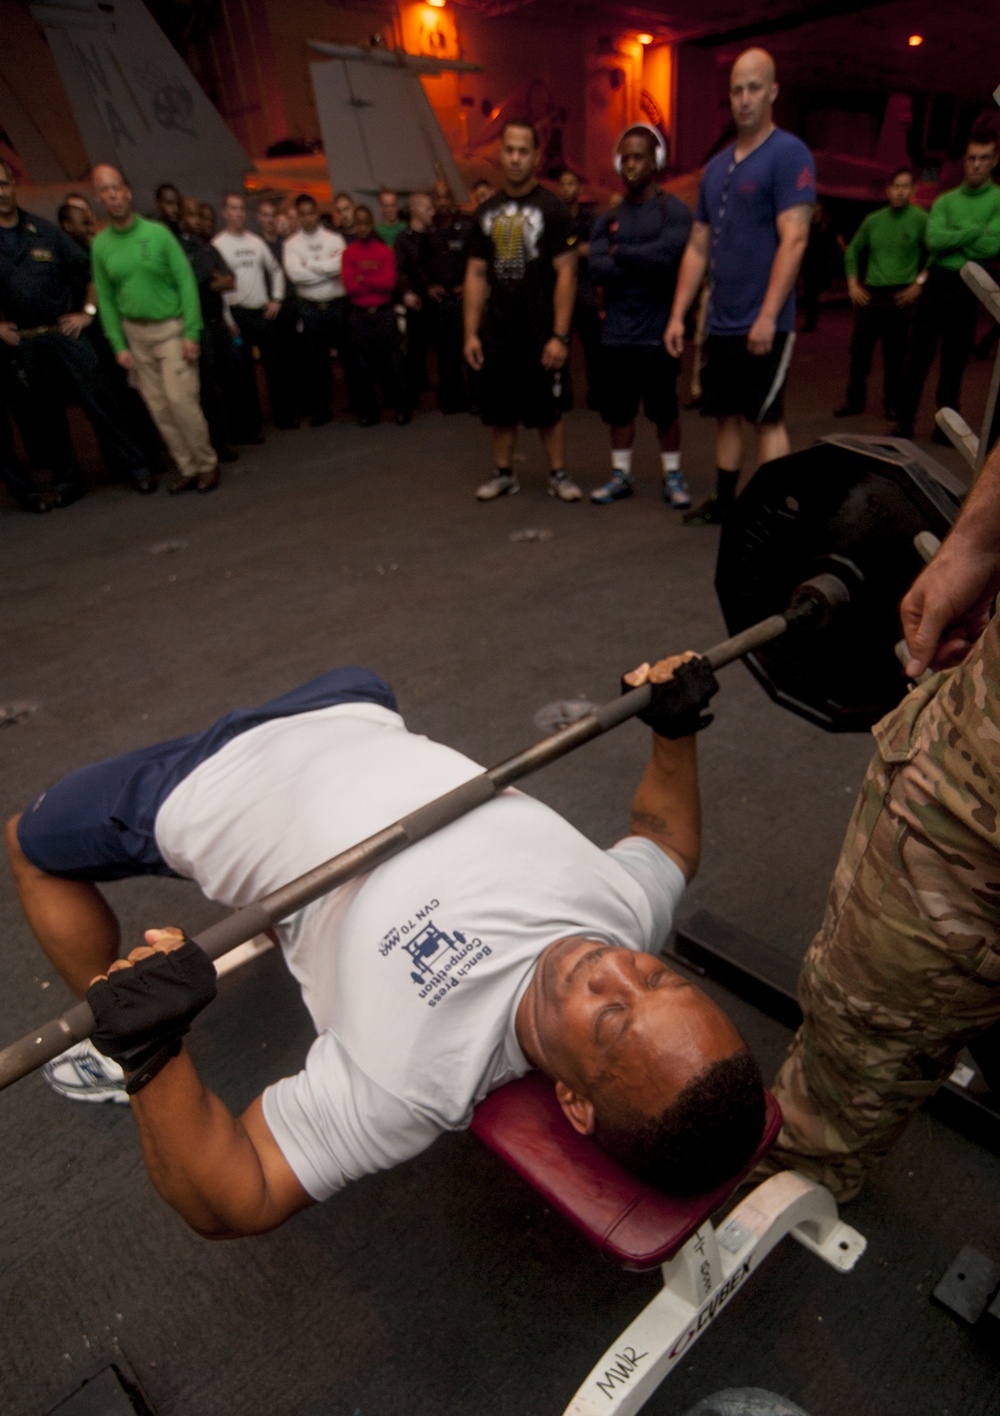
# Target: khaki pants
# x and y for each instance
(906, 967)
(169, 387)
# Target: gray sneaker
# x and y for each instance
(564, 488)
(618, 488)
(84, 1074)
(501, 484)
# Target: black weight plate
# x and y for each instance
(852, 507)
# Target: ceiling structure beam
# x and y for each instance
(666, 20)
(795, 18)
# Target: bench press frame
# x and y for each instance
(702, 1277)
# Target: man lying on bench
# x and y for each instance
(504, 941)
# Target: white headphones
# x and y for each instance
(659, 145)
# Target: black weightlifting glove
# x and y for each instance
(677, 707)
(143, 1012)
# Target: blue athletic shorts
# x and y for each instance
(98, 823)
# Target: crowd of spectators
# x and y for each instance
(156, 326)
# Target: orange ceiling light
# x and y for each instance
(915, 41)
(644, 38)
(437, 4)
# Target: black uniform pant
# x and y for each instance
(58, 369)
(419, 338)
(14, 399)
(881, 320)
(378, 354)
(326, 326)
(452, 370)
(220, 389)
(264, 335)
(288, 352)
(946, 313)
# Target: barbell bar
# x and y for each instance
(813, 604)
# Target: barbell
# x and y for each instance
(825, 550)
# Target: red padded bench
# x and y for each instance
(641, 1228)
(637, 1227)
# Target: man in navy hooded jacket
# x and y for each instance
(635, 251)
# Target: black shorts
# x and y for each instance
(736, 383)
(633, 374)
(514, 388)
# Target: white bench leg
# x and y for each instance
(700, 1280)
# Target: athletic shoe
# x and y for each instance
(675, 490)
(564, 487)
(84, 1074)
(710, 512)
(618, 488)
(501, 484)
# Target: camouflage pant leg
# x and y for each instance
(906, 967)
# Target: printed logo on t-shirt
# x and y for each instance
(245, 256)
(438, 959)
(804, 179)
(515, 232)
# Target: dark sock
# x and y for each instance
(503, 471)
(725, 486)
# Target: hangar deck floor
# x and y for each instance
(444, 1288)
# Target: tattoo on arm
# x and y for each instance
(800, 216)
(653, 823)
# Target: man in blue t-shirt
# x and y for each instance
(634, 253)
(749, 234)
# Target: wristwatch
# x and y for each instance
(921, 278)
(562, 338)
(90, 310)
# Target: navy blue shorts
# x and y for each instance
(98, 823)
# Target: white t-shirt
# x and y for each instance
(312, 263)
(259, 277)
(413, 972)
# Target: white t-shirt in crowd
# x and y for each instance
(312, 263)
(413, 972)
(259, 277)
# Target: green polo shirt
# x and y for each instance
(389, 231)
(142, 273)
(964, 226)
(894, 241)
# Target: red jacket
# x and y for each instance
(368, 270)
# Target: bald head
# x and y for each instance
(756, 61)
(113, 193)
(752, 91)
